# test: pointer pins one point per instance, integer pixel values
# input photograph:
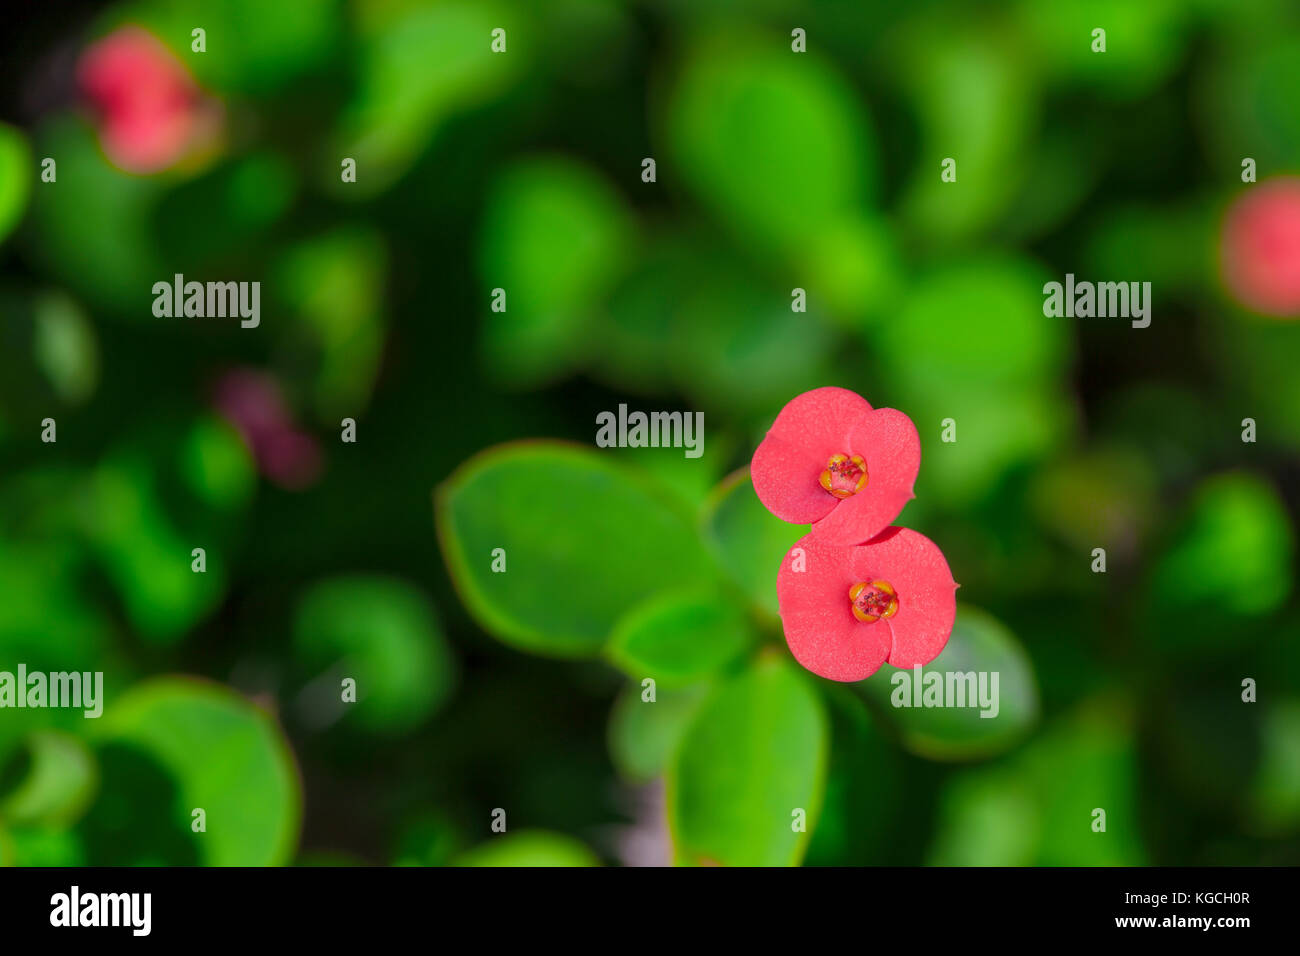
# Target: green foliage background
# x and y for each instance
(522, 691)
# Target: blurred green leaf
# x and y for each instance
(976, 321)
(1144, 42)
(335, 281)
(93, 226)
(1230, 559)
(679, 637)
(776, 145)
(986, 818)
(755, 754)
(145, 555)
(66, 348)
(998, 428)
(858, 823)
(227, 757)
(738, 345)
(383, 633)
(1247, 94)
(1169, 246)
(237, 202)
(585, 540)
(979, 645)
(555, 237)
(644, 734)
(217, 465)
(42, 846)
(855, 270)
(1259, 357)
(17, 172)
(59, 782)
(1087, 763)
(977, 104)
(418, 66)
(292, 37)
(749, 541)
(529, 848)
(1105, 496)
(1274, 801)
(46, 620)
(1037, 808)
(432, 839)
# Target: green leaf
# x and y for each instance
(293, 37)
(59, 782)
(42, 846)
(976, 103)
(94, 227)
(747, 122)
(678, 638)
(1274, 799)
(973, 322)
(986, 817)
(417, 67)
(252, 193)
(529, 848)
(555, 238)
(1230, 560)
(430, 839)
(982, 646)
(225, 755)
(1038, 807)
(754, 755)
(335, 283)
(145, 555)
(383, 633)
(65, 347)
(998, 429)
(16, 175)
(749, 541)
(737, 344)
(644, 734)
(584, 538)
(859, 816)
(216, 464)
(1086, 763)
(1144, 42)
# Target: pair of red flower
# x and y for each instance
(854, 593)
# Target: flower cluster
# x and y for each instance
(855, 592)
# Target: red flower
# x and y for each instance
(831, 461)
(847, 610)
(1261, 248)
(152, 112)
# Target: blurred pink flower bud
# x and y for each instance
(150, 109)
(285, 454)
(1261, 248)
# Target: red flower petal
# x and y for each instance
(888, 442)
(819, 625)
(820, 628)
(809, 430)
(149, 103)
(927, 594)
